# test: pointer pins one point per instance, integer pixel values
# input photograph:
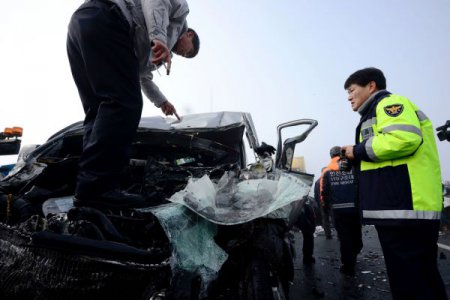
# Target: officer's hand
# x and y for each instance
(161, 53)
(265, 149)
(167, 108)
(348, 150)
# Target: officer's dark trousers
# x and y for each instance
(327, 220)
(308, 242)
(410, 254)
(106, 73)
(348, 227)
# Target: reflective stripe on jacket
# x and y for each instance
(400, 177)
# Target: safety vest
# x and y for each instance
(339, 190)
(400, 176)
(333, 165)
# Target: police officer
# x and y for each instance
(327, 214)
(399, 183)
(339, 192)
(113, 46)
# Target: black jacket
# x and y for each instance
(339, 191)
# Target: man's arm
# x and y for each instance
(326, 189)
(321, 184)
(155, 95)
(162, 18)
(160, 14)
(399, 134)
(151, 90)
(317, 191)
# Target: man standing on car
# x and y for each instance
(399, 183)
(340, 193)
(113, 46)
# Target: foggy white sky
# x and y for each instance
(278, 60)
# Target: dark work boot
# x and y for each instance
(348, 270)
(115, 199)
(309, 260)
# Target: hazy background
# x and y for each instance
(279, 60)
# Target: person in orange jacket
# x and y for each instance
(327, 216)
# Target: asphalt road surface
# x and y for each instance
(324, 281)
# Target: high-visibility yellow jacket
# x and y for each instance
(400, 176)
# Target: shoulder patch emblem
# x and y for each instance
(393, 110)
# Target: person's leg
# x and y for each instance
(434, 287)
(106, 72)
(355, 233)
(326, 222)
(411, 261)
(344, 232)
(308, 246)
(89, 99)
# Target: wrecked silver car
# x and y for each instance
(212, 217)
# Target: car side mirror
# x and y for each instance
(285, 150)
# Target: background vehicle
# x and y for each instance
(50, 250)
(9, 144)
(443, 133)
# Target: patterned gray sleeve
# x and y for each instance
(165, 19)
(151, 90)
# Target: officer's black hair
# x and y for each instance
(195, 43)
(365, 76)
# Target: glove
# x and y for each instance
(265, 149)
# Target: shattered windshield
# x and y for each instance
(190, 221)
(233, 200)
